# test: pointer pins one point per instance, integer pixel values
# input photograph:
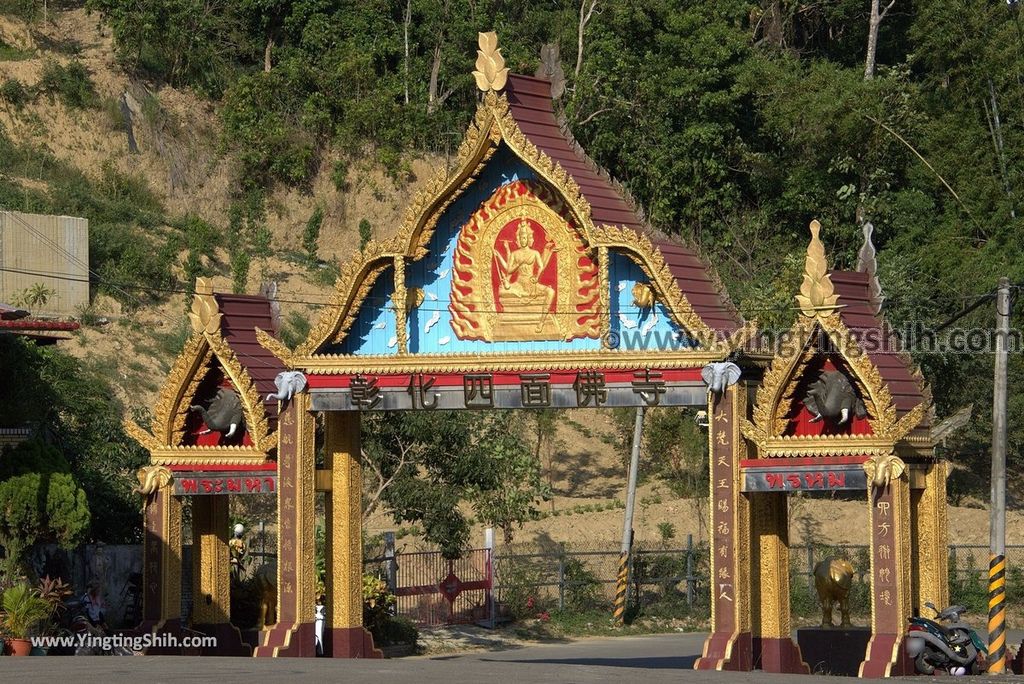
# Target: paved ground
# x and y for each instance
(647, 659)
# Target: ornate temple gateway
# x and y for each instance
(525, 277)
(839, 408)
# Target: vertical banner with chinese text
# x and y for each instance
(729, 646)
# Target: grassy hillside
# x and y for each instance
(164, 202)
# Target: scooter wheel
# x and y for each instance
(922, 665)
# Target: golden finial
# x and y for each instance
(816, 294)
(491, 72)
(205, 314)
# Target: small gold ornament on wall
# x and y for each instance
(643, 296)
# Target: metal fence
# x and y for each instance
(675, 580)
(581, 577)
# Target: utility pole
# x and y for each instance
(622, 581)
(997, 512)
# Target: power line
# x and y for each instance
(78, 261)
(440, 303)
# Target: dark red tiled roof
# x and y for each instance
(9, 313)
(530, 104)
(857, 314)
(242, 314)
(29, 324)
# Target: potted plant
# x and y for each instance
(23, 609)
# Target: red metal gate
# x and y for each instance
(433, 590)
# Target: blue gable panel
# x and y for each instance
(373, 331)
(637, 328)
(429, 325)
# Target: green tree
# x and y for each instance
(73, 409)
(423, 466)
(41, 501)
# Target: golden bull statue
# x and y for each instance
(832, 579)
(266, 591)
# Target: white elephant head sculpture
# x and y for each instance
(288, 383)
(720, 375)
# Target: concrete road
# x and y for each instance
(647, 659)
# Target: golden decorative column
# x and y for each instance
(211, 563)
(772, 628)
(604, 287)
(162, 558)
(344, 537)
(729, 646)
(398, 303)
(294, 633)
(891, 589)
(931, 537)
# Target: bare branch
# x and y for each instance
(594, 114)
(586, 12)
(923, 160)
(373, 500)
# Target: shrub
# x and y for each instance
(518, 580)
(365, 234)
(40, 499)
(378, 603)
(582, 588)
(339, 175)
(15, 93)
(311, 235)
(72, 84)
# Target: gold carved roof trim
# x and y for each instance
(275, 346)
(779, 384)
(360, 272)
(171, 409)
(493, 124)
(462, 362)
(650, 259)
(257, 424)
(207, 455)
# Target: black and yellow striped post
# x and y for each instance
(621, 589)
(622, 581)
(997, 614)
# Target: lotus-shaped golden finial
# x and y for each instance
(205, 314)
(491, 72)
(816, 293)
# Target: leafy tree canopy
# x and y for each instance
(434, 467)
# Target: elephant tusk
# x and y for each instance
(816, 418)
(271, 396)
(231, 432)
(844, 415)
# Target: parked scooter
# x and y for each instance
(954, 648)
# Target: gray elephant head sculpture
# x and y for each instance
(288, 384)
(224, 414)
(719, 375)
(832, 396)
